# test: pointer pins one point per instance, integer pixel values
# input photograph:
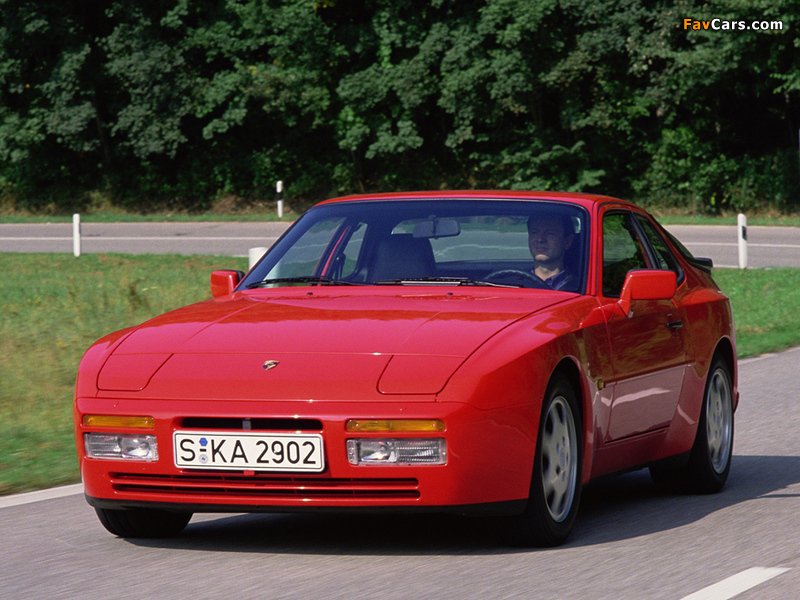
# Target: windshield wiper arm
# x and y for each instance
(312, 279)
(318, 280)
(454, 281)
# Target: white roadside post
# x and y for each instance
(255, 254)
(279, 189)
(76, 234)
(742, 222)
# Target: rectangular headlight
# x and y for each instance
(398, 451)
(121, 446)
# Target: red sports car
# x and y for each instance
(483, 353)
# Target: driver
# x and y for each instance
(549, 237)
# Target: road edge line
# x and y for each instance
(40, 495)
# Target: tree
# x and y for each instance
(178, 103)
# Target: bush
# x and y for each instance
(689, 174)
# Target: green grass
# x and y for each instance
(765, 305)
(55, 306)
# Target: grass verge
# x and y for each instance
(55, 306)
(765, 305)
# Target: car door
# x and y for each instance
(647, 346)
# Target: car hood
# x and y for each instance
(320, 345)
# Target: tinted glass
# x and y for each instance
(388, 241)
(664, 257)
(622, 251)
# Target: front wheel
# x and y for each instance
(143, 522)
(556, 483)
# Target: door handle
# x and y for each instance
(675, 324)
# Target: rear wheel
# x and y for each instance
(143, 522)
(710, 459)
(555, 486)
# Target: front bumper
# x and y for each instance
(489, 460)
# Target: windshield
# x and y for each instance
(515, 243)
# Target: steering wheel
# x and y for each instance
(528, 277)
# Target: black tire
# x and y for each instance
(143, 522)
(556, 482)
(709, 462)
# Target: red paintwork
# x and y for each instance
(647, 285)
(223, 282)
(477, 358)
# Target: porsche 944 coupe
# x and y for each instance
(481, 353)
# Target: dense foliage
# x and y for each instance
(178, 102)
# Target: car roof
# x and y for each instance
(586, 200)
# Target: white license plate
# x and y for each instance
(292, 452)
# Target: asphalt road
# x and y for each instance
(214, 238)
(630, 541)
(767, 246)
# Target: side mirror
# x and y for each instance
(224, 282)
(647, 284)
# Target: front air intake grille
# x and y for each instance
(265, 487)
(233, 424)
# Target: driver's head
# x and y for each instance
(549, 237)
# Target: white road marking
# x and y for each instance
(31, 497)
(735, 585)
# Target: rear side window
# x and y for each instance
(663, 256)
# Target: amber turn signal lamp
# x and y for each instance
(394, 425)
(117, 421)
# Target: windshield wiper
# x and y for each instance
(455, 281)
(317, 280)
(311, 279)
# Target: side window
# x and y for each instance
(664, 257)
(622, 251)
